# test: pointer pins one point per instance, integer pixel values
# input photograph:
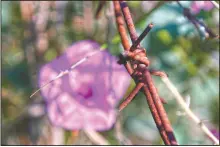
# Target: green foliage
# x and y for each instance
(214, 110)
(164, 37)
(18, 76)
(50, 55)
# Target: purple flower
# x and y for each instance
(197, 6)
(87, 96)
(215, 132)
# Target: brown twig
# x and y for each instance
(196, 22)
(143, 17)
(188, 111)
(98, 11)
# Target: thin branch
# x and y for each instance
(208, 30)
(143, 17)
(196, 22)
(179, 4)
(119, 135)
(98, 11)
(57, 136)
(187, 101)
(215, 4)
(96, 137)
(185, 107)
(62, 73)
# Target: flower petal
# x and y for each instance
(87, 96)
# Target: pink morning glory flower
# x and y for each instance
(86, 97)
(197, 6)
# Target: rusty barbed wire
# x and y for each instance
(139, 62)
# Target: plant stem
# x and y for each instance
(185, 107)
(196, 22)
(96, 137)
(215, 4)
(98, 11)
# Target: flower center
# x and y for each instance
(85, 91)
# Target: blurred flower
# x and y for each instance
(86, 97)
(197, 6)
(215, 133)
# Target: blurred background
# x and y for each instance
(34, 33)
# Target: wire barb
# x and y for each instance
(141, 37)
(131, 96)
